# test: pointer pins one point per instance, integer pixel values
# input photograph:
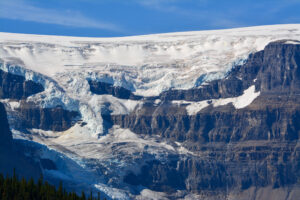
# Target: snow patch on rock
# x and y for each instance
(292, 42)
(238, 102)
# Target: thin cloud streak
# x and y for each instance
(217, 20)
(19, 10)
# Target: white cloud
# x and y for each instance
(19, 10)
(170, 6)
(215, 19)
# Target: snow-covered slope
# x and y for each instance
(146, 65)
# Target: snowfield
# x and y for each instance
(147, 65)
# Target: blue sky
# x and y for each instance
(106, 18)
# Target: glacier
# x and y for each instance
(146, 65)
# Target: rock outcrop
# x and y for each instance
(229, 152)
(55, 119)
(232, 149)
(5, 134)
(16, 87)
(12, 155)
(98, 87)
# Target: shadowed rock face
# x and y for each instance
(5, 134)
(267, 118)
(100, 88)
(12, 152)
(16, 87)
(12, 155)
(223, 168)
(280, 69)
(233, 149)
(276, 70)
(273, 115)
(55, 119)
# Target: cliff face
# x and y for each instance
(16, 87)
(233, 149)
(106, 88)
(12, 155)
(16, 154)
(273, 115)
(55, 119)
(5, 134)
(237, 137)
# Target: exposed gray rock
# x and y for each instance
(16, 87)
(100, 88)
(5, 134)
(232, 153)
(234, 149)
(55, 119)
(12, 155)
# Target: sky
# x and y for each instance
(114, 18)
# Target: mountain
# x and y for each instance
(11, 154)
(192, 115)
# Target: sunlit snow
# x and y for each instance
(239, 102)
(146, 65)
